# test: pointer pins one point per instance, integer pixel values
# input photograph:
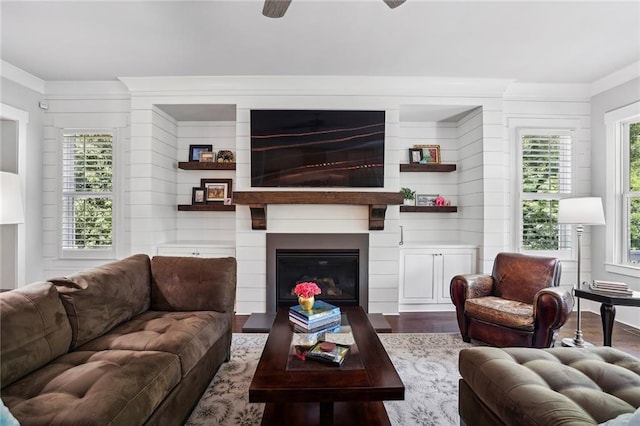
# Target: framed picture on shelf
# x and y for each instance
(426, 199)
(196, 150)
(430, 153)
(207, 156)
(216, 190)
(197, 196)
(415, 155)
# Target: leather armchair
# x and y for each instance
(519, 304)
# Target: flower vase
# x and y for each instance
(306, 302)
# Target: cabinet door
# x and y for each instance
(419, 271)
(455, 263)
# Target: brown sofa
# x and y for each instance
(132, 342)
(557, 386)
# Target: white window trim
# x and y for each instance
(547, 130)
(614, 228)
(93, 254)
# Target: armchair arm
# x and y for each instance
(465, 287)
(551, 308)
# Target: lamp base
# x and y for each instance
(576, 342)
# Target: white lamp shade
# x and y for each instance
(10, 199)
(581, 211)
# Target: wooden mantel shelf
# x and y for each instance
(258, 201)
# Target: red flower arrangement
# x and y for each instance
(307, 289)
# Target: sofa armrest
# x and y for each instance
(193, 284)
(551, 308)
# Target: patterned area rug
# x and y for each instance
(427, 364)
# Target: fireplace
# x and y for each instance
(338, 263)
(334, 271)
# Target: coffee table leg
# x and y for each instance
(608, 315)
(326, 413)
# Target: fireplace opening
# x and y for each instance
(336, 272)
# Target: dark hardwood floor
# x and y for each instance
(625, 337)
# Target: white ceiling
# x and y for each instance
(527, 41)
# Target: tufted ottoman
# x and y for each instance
(557, 386)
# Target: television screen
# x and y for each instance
(317, 148)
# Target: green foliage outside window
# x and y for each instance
(546, 162)
(634, 186)
(89, 182)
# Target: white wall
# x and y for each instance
(152, 142)
(81, 105)
(617, 97)
(26, 99)
(546, 112)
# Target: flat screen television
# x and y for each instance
(317, 148)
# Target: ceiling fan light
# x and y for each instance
(276, 8)
(394, 3)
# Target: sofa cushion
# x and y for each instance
(103, 297)
(186, 334)
(553, 386)
(94, 388)
(193, 284)
(33, 329)
(495, 310)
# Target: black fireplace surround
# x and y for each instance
(334, 271)
(337, 262)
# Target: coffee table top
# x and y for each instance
(367, 375)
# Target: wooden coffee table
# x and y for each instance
(312, 393)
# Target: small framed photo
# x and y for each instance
(216, 190)
(196, 150)
(426, 199)
(207, 156)
(415, 155)
(430, 153)
(197, 196)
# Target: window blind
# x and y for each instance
(87, 190)
(546, 178)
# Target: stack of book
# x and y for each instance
(611, 288)
(322, 316)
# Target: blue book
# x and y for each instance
(320, 309)
(329, 319)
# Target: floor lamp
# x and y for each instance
(580, 212)
(10, 199)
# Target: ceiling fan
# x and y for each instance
(277, 8)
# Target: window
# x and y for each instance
(631, 193)
(546, 175)
(87, 194)
(622, 179)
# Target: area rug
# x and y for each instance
(426, 363)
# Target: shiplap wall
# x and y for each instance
(207, 226)
(87, 110)
(479, 143)
(571, 114)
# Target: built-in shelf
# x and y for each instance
(203, 165)
(204, 207)
(428, 209)
(258, 201)
(432, 167)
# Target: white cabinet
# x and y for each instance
(426, 271)
(197, 248)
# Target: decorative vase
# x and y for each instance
(306, 302)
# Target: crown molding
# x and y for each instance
(547, 91)
(616, 78)
(325, 85)
(23, 78)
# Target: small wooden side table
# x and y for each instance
(607, 309)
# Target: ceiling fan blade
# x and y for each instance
(276, 8)
(393, 3)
